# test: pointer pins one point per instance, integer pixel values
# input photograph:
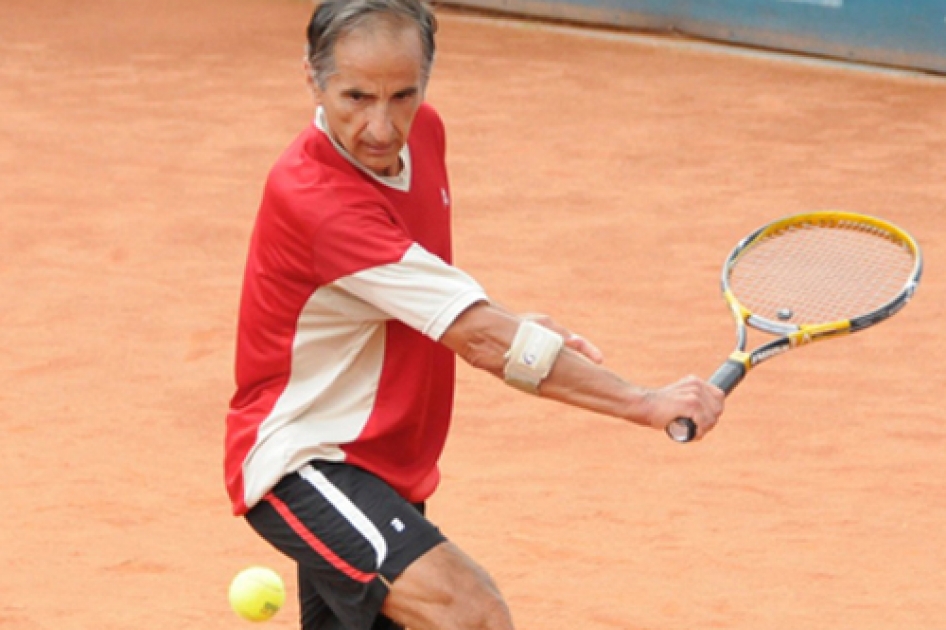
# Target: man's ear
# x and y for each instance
(310, 80)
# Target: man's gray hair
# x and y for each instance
(334, 18)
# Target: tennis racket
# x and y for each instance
(810, 277)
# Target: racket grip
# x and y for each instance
(726, 377)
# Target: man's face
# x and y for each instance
(371, 100)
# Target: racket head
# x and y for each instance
(819, 273)
(808, 277)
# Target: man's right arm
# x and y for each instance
(483, 334)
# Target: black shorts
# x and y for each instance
(350, 534)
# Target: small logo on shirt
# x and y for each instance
(398, 525)
(445, 196)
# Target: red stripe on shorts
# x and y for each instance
(316, 544)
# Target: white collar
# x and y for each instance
(401, 181)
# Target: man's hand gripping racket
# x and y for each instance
(809, 277)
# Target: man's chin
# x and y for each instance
(383, 167)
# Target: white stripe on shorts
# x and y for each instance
(347, 509)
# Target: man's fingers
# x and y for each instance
(576, 342)
(583, 346)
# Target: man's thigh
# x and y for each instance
(447, 589)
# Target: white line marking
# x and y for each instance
(830, 4)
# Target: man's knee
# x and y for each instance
(445, 589)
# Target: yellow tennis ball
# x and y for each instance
(257, 593)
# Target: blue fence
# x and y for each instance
(902, 33)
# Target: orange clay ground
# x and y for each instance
(599, 180)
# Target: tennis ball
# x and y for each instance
(257, 593)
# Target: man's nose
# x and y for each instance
(380, 126)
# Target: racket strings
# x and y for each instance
(815, 272)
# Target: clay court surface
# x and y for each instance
(599, 180)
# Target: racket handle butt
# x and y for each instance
(682, 430)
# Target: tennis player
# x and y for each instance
(350, 320)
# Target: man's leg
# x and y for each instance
(355, 540)
(446, 590)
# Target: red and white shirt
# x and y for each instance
(348, 287)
